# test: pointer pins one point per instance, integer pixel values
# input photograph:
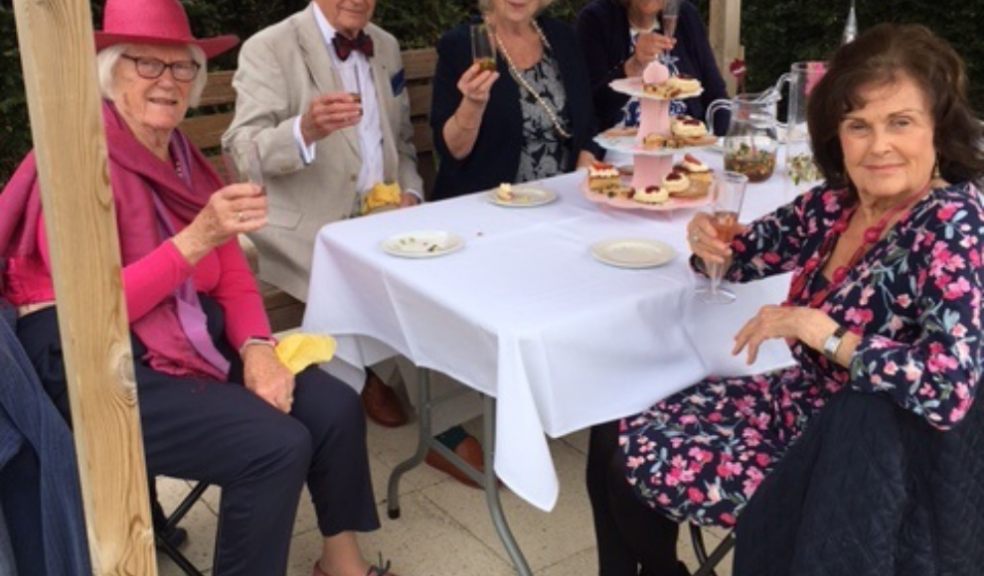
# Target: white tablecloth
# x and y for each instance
(524, 313)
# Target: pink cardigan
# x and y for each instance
(153, 268)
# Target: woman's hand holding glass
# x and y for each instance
(721, 226)
(235, 209)
(649, 46)
(704, 242)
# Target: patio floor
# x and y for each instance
(444, 529)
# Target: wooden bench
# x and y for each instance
(215, 113)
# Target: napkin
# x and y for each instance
(381, 196)
(298, 351)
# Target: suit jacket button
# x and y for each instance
(353, 178)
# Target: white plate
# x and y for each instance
(423, 244)
(524, 197)
(633, 87)
(629, 145)
(633, 253)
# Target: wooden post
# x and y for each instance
(725, 36)
(58, 55)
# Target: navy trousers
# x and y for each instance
(223, 434)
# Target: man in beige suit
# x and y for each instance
(321, 150)
(323, 95)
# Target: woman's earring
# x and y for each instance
(936, 169)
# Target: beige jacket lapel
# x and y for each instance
(380, 79)
(320, 65)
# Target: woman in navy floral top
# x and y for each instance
(885, 298)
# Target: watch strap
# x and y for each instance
(833, 342)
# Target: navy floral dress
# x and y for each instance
(915, 298)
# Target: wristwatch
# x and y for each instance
(264, 340)
(833, 342)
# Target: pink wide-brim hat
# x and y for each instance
(154, 22)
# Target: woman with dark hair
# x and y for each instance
(885, 298)
(621, 37)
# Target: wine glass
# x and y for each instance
(242, 162)
(728, 193)
(671, 11)
(483, 52)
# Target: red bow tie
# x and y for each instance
(344, 45)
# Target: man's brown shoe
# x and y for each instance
(381, 403)
(469, 450)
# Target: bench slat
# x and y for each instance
(206, 131)
(419, 63)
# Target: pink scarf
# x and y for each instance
(135, 173)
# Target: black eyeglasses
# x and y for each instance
(152, 68)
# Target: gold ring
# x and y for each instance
(695, 238)
(240, 216)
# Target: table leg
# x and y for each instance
(492, 492)
(424, 440)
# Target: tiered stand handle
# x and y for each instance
(649, 170)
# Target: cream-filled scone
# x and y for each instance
(651, 195)
(676, 182)
(602, 175)
(693, 166)
(687, 127)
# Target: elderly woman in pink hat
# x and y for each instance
(216, 404)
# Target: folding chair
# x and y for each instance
(164, 525)
(708, 563)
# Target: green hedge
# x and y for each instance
(774, 32)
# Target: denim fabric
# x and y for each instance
(39, 485)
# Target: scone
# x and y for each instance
(651, 195)
(676, 183)
(700, 175)
(688, 128)
(685, 84)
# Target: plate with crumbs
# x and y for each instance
(521, 197)
(633, 253)
(423, 244)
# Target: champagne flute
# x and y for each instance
(671, 12)
(728, 194)
(483, 52)
(241, 159)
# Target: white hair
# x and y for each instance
(108, 57)
(485, 6)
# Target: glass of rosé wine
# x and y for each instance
(728, 193)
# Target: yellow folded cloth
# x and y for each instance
(381, 196)
(298, 351)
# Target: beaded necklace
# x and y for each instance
(514, 72)
(814, 264)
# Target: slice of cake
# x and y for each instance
(602, 175)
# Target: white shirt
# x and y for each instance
(354, 72)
